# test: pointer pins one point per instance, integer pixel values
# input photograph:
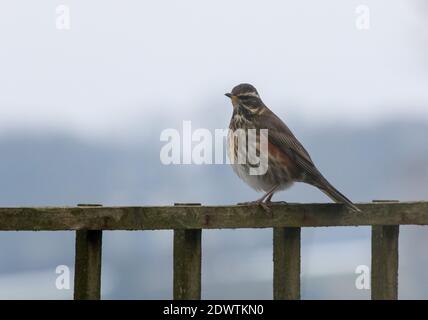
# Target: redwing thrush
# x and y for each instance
(287, 159)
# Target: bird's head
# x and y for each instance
(245, 95)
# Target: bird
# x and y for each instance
(287, 159)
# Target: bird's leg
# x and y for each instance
(269, 202)
(269, 195)
(259, 201)
(268, 199)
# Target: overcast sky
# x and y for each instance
(124, 63)
(129, 69)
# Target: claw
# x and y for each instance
(275, 202)
(249, 203)
(266, 208)
(256, 203)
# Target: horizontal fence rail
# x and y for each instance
(211, 217)
(188, 220)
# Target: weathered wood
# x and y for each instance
(384, 272)
(211, 217)
(286, 263)
(87, 267)
(187, 264)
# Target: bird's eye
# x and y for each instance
(244, 97)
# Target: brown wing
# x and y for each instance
(282, 137)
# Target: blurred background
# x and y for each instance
(82, 109)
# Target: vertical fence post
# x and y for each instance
(87, 265)
(187, 263)
(384, 271)
(286, 263)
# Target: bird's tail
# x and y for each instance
(335, 194)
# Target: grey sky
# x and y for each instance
(128, 69)
(128, 62)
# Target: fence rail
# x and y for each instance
(188, 220)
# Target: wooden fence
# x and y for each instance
(188, 220)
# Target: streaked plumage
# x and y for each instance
(288, 160)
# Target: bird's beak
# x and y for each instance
(229, 95)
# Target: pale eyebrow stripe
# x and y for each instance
(249, 94)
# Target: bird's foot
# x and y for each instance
(249, 203)
(256, 203)
(275, 203)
